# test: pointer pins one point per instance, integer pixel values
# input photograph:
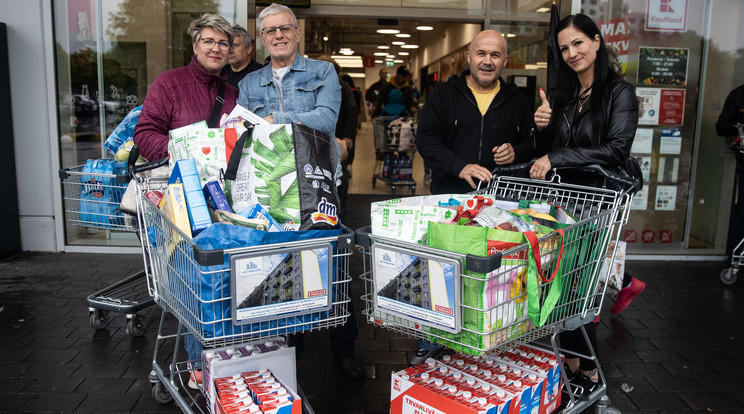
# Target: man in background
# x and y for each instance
(732, 113)
(374, 90)
(402, 82)
(239, 60)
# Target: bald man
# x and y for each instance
(475, 121)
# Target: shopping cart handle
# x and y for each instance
(135, 168)
(632, 184)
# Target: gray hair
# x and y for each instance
(212, 21)
(274, 8)
(238, 31)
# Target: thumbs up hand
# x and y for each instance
(543, 113)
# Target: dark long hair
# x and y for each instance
(568, 80)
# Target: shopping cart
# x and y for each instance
(731, 274)
(600, 212)
(91, 201)
(198, 287)
(395, 146)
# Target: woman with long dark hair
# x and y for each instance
(590, 118)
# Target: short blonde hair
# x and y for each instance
(212, 21)
(274, 8)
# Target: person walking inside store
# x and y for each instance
(371, 95)
(402, 82)
(732, 113)
(469, 125)
(183, 96)
(239, 59)
(296, 89)
(590, 118)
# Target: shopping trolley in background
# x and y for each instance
(91, 200)
(204, 291)
(395, 146)
(731, 274)
(492, 288)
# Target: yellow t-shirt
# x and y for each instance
(484, 98)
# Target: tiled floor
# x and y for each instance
(679, 345)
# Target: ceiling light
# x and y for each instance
(403, 53)
(348, 61)
(390, 56)
(344, 48)
(325, 38)
(383, 47)
(511, 35)
(410, 46)
(424, 28)
(358, 75)
(398, 43)
(398, 61)
(389, 59)
(380, 53)
(378, 61)
(543, 10)
(388, 31)
(402, 35)
(346, 52)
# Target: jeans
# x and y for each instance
(424, 344)
(193, 349)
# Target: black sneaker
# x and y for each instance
(350, 366)
(423, 354)
(570, 374)
(583, 386)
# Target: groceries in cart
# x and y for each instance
(524, 380)
(100, 193)
(123, 133)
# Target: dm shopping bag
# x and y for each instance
(290, 170)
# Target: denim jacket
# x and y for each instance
(311, 94)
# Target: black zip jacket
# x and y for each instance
(452, 133)
(571, 141)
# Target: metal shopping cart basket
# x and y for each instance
(395, 146)
(206, 290)
(731, 274)
(91, 201)
(487, 310)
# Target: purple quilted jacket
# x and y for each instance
(178, 97)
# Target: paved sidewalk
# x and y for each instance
(679, 345)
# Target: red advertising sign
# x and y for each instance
(631, 236)
(648, 236)
(665, 236)
(368, 61)
(671, 106)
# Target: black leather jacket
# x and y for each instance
(571, 138)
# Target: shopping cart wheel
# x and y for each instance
(729, 276)
(136, 325)
(392, 189)
(99, 318)
(609, 410)
(413, 190)
(160, 394)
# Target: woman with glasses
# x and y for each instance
(188, 94)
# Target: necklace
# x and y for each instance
(584, 97)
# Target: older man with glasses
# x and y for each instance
(189, 94)
(295, 89)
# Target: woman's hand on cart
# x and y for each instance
(540, 168)
(473, 172)
(543, 113)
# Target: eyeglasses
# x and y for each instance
(209, 44)
(284, 28)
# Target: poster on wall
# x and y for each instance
(671, 141)
(666, 197)
(642, 143)
(645, 163)
(616, 34)
(668, 170)
(662, 66)
(640, 200)
(649, 100)
(666, 15)
(672, 107)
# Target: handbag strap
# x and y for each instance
(234, 162)
(217, 108)
(535, 249)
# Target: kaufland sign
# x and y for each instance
(666, 15)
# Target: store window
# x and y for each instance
(108, 52)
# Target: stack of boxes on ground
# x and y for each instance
(525, 380)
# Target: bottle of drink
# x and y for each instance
(386, 167)
(396, 168)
